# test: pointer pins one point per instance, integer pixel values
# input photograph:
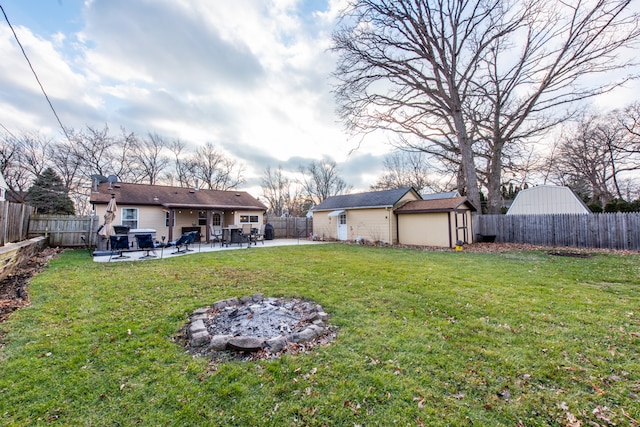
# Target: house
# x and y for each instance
(435, 222)
(363, 216)
(547, 199)
(171, 211)
(3, 188)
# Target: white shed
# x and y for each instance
(547, 199)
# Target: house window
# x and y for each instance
(246, 219)
(166, 220)
(130, 217)
(202, 218)
(216, 219)
(343, 219)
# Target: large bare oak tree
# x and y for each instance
(468, 80)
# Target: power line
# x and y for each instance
(8, 131)
(35, 74)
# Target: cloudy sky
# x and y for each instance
(250, 76)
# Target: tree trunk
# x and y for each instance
(467, 161)
(494, 178)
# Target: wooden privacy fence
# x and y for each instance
(65, 230)
(14, 222)
(605, 230)
(291, 227)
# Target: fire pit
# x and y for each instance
(261, 327)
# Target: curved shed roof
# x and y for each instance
(547, 199)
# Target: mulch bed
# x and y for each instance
(13, 292)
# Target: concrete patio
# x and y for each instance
(202, 247)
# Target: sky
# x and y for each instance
(250, 76)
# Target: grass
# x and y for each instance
(425, 338)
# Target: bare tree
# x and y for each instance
(34, 153)
(629, 119)
(276, 189)
(594, 157)
(102, 153)
(214, 170)
(407, 169)
(17, 177)
(320, 179)
(183, 169)
(407, 66)
(149, 158)
(469, 79)
(68, 166)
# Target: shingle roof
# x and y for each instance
(434, 205)
(370, 199)
(174, 197)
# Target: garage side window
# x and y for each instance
(130, 217)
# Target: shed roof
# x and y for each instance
(547, 199)
(174, 197)
(435, 205)
(446, 195)
(371, 199)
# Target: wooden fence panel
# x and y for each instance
(291, 227)
(619, 230)
(65, 230)
(14, 222)
(608, 230)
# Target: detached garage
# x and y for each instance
(362, 216)
(438, 222)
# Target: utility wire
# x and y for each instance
(35, 74)
(8, 131)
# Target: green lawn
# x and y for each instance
(433, 338)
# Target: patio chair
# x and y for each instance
(246, 235)
(215, 234)
(258, 234)
(182, 244)
(145, 243)
(118, 244)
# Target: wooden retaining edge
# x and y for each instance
(13, 255)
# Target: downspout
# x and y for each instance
(397, 229)
(449, 221)
(171, 221)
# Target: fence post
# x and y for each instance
(4, 214)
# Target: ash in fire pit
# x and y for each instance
(256, 325)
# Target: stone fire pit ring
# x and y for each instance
(255, 323)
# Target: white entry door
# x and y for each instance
(342, 226)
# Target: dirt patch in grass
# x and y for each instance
(13, 289)
(570, 254)
(519, 247)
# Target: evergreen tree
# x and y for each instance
(49, 195)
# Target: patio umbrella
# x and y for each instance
(109, 217)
